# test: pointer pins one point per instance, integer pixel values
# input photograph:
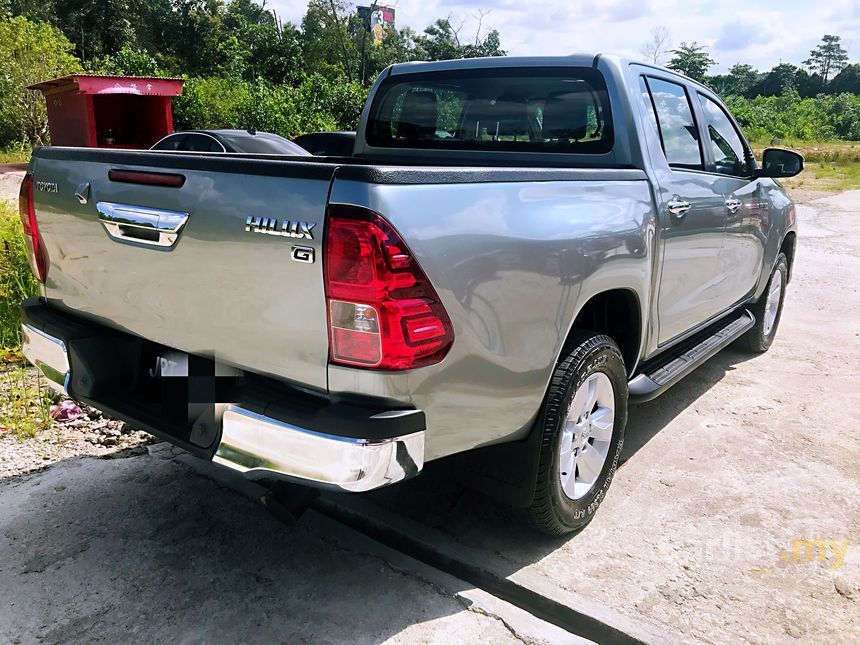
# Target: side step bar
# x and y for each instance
(650, 385)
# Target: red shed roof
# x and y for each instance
(99, 84)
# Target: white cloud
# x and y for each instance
(761, 33)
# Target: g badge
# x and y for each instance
(303, 254)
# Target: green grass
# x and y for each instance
(16, 279)
(15, 154)
(827, 175)
(25, 401)
(830, 165)
(25, 406)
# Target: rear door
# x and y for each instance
(182, 265)
(691, 212)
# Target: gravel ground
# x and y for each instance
(89, 434)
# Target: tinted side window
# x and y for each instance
(170, 143)
(678, 130)
(728, 149)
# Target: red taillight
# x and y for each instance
(36, 252)
(383, 312)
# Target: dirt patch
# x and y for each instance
(10, 183)
(90, 433)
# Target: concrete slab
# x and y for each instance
(522, 624)
(144, 550)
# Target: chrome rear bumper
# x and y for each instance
(49, 354)
(389, 446)
(260, 446)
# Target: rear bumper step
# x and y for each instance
(262, 430)
(652, 383)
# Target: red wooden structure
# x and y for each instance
(109, 111)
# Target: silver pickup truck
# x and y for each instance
(516, 250)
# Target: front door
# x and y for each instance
(747, 205)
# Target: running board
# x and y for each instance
(650, 385)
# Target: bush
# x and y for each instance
(209, 103)
(16, 279)
(126, 62)
(788, 116)
(316, 104)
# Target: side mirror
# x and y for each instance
(779, 163)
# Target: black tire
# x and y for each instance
(756, 340)
(553, 511)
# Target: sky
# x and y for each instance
(762, 33)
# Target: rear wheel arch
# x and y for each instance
(616, 313)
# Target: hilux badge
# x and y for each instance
(287, 228)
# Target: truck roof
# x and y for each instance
(573, 60)
(581, 59)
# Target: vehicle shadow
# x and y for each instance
(140, 548)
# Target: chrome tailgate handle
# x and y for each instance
(152, 226)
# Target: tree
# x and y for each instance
(658, 46)
(827, 58)
(740, 81)
(807, 85)
(326, 45)
(31, 52)
(691, 60)
(848, 80)
(97, 27)
(489, 45)
(397, 46)
(777, 80)
(441, 41)
(126, 62)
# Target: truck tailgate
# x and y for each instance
(217, 287)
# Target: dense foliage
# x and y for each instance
(789, 116)
(245, 68)
(30, 52)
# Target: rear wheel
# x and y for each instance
(582, 425)
(768, 310)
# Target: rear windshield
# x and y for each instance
(508, 110)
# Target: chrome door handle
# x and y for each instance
(733, 205)
(678, 207)
(153, 226)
